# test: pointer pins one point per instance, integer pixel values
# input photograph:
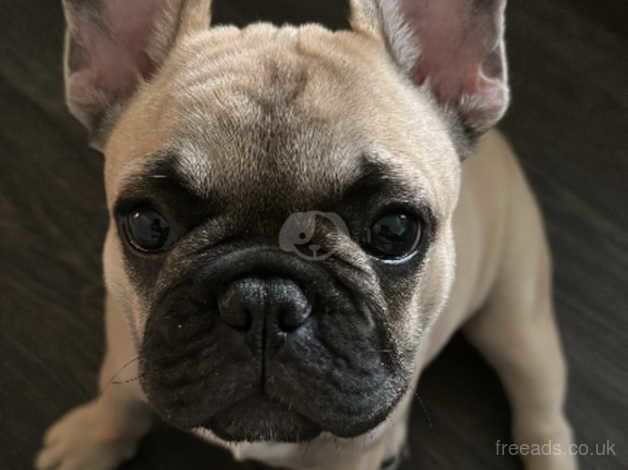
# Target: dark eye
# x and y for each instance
(147, 230)
(393, 236)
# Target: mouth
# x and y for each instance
(260, 418)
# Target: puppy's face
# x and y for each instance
(242, 142)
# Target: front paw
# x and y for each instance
(86, 438)
(547, 445)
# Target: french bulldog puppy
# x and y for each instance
(223, 148)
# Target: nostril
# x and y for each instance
(234, 311)
(293, 315)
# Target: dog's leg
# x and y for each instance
(517, 333)
(101, 434)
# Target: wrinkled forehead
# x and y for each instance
(259, 119)
(268, 114)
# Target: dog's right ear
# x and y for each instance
(112, 46)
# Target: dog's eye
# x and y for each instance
(147, 230)
(394, 236)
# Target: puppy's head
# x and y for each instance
(281, 199)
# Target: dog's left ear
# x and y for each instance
(455, 47)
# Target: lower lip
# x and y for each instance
(260, 418)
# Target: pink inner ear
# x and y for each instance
(455, 40)
(133, 23)
(117, 46)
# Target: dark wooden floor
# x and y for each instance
(569, 123)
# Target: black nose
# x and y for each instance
(250, 300)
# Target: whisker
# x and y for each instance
(128, 381)
(114, 377)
